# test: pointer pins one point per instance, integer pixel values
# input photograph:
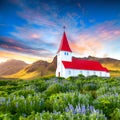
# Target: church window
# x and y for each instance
(88, 73)
(94, 73)
(64, 53)
(69, 72)
(100, 73)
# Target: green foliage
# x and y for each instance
(40, 86)
(3, 93)
(24, 93)
(72, 78)
(116, 114)
(55, 88)
(56, 98)
(60, 101)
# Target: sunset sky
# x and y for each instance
(31, 30)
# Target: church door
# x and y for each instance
(58, 74)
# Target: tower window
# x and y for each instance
(65, 53)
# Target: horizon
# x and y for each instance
(35, 29)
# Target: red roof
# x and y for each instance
(64, 46)
(84, 65)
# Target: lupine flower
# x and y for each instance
(91, 108)
(71, 107)
(83, 109)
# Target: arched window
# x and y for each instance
(80, 72)
(100, 73)
(69, 72)
(88, 73)
(64, 53)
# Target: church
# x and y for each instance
(68, 65)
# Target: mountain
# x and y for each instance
(11, 67)
(44, 68)
(37, 69)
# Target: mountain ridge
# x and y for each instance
(43, 68)
(11, 67)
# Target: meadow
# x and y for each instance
(51, 98)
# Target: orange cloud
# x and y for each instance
(94, 40)
(86, 44)
(6, 55)
(35, 36)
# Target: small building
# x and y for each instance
(67, 65)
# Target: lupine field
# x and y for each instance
(50, 98)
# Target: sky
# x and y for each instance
(32, 30)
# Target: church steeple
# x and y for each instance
(64, 46)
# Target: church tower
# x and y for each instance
(64, 54)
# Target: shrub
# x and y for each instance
(24, 93)
(116, 114)
(90, 86)
(3, 94)
(55, 88)
(40, 86)
(71, 78)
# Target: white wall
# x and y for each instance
(76, 72)
(65, 56)
(60, 69)
(62, 56)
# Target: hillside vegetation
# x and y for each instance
(75, 98)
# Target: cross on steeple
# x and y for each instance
(64, 27)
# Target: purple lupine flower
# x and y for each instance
(97, 111)
(66, 109)
(83, 109)
(74, 112)
(71, 107)
(78, 109)
(91, 108)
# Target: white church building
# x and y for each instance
(67, 65)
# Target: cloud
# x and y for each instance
(13, 45)
(34, 36)
(86, 45)
(7, 55)
(95, 40)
